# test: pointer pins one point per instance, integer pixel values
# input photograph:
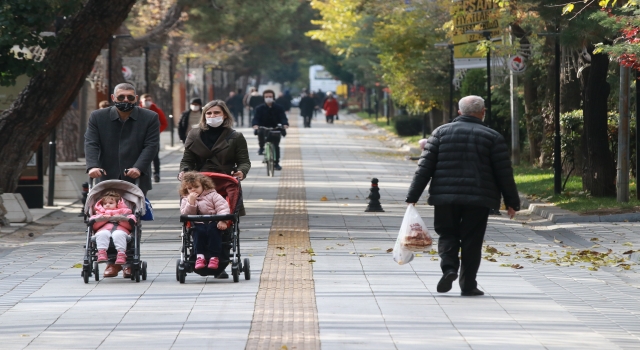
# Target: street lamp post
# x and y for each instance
(111, 40)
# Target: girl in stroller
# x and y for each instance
(112, 221)
(199, 197)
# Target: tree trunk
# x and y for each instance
(532, 114)
(599, 172)
(47, 97)
(67, 134)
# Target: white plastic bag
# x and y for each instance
(413, 237)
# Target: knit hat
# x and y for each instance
(196, 101)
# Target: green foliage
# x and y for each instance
(474, 83)
(21, 22)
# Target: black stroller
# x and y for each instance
(134, 198)
(229, 188)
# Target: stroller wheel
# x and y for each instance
(85, 275)
(247, 269)
(96, 271)
(137, 274)
(178, 270)
(235, 272)
(144, 270)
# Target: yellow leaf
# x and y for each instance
(568, 8)
(324, 199)
(603, 3)
(628, 244)
(77, 266)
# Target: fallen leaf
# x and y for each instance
(433, 258)
(352, 252)
(490, 249)
(556, 240)
(280, 234)
(517, 266)
(595, 246)
(628, 244)
(77, 266)
(324, 199)
(627, 252)
(418, 255)
(375, 248)
(281, 248)
(312, 261)
(389, 250)
(330, 248)
(433, 252)
(340, 244)
(281, 254)
(594, 239)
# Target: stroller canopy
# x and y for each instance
(132, 195)
(227, 186)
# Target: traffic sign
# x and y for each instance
(517, 64)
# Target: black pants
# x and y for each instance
(238, 116)
(330, 119)
(273, 137)
(156, 164)
(461, 227)
(207, 239)
(307, 121)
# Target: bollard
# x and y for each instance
(374, 198)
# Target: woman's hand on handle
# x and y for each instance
(239, 174)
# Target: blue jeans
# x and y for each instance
(207, 240)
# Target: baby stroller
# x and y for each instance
(229, 188)
(134, 198)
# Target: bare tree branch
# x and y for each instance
(171, 18)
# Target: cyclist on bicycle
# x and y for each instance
(269, 115)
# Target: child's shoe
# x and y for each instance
(102, 255)
(199, 263)
(121, 259)
(213, 263)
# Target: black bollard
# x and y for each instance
(374, 198)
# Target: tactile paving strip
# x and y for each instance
(285, 309)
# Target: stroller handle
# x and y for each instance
(185, 218)
(91, 182)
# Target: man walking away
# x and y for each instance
(284, 102)
(146, 101)
(234, 102)
(254, 101)
(307, 106)
(269, 115)
(331, 108)
(190, 119)
(120, 143)
(469, 168)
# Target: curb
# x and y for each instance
(393, 139)
(560, 216)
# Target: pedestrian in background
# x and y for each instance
(190, 119)
(103, 104)
(307, 107)
(331, 108)
(120, 143)
(283, 101)
(234, 102)
(469, 169)
(146, 101)
(254, 101)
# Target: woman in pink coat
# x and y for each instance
(112, 221)
(199, 197)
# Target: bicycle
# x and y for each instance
(269, 147)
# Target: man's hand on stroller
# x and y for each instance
(95, 173)
(222, 225)
(132, 173)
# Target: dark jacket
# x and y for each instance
(235, 103)
(255, 101)
(467, 163)
(307, 106)
(284, 102)
(114, 145)
(183, 125)
(228, 152)
(270, 117)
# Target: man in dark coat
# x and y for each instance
(234, 103)
(269, 115)
(307, 106)
(469, 169)
(120, 143)
(189, 118)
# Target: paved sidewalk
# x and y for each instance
(363, 299)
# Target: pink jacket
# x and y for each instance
(121, 210)
(208, 203)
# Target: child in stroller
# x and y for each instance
(107, 221)
(229, 189)
(112, 221)
(199, 197)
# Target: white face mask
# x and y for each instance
(147, 104)
(215, 122)
(268, 100)
(194, 108)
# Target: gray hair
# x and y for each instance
(124, 86)
(470, 105)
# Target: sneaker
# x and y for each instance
(213, 263)
(261, 151)
(102, 256)
(121, 259)
(156, 178)
(277, 167)
(199, 263)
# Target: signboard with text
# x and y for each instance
(473, 15)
